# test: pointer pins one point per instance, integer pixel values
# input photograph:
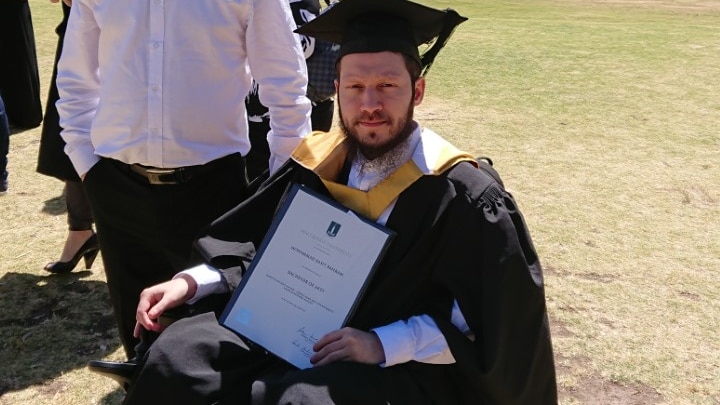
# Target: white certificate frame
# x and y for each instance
(310, 271)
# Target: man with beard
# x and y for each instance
(455, 312)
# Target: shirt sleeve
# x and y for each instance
(209, 281)
(277, 63)
(78, 83)
(418, 339)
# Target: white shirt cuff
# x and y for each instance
(209, 281)
(280, 149)
(83, 158)
(418, 339)
(397, 341)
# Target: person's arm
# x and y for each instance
(348, 344)
(417, 339)
(208, 281)
(78, 83)
(277, 63)
(156, 299)
(494, 272)
(227, 247)
(187, 287)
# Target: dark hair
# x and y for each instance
(412, 66)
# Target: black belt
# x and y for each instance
(179, 175)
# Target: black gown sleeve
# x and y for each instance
(494, 272)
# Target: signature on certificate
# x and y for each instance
(304, 341)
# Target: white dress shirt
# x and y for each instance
(418, 338)
(162, 82)
(307, 43)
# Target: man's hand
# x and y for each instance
(348, 344)
(67, 2)
(156, 299)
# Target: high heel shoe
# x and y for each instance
(88, 251)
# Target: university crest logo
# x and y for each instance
(333, 229)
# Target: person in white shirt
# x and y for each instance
(153, 115)
(454, 312)
(323, 105)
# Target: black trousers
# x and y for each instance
(146, 231)
(198, 361)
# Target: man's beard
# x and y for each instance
(373, 151)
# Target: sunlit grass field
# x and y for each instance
(603, 118)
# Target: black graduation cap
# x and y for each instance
(361, 26)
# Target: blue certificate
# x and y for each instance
(307, 277)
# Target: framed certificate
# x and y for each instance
(307, 277)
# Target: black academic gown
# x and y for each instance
(19, 77)
(459, 235)
(52, 160)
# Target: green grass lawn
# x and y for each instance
(601, 116)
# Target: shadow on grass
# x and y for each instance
(50, 325)
(114, 398)
(55, 206)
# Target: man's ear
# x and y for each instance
(419, 90)
(337, 85)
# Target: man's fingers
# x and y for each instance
(147, 322)
(147, 310)
(156, 310)
(327, 339)
(155, 300)
(144, 320)
(331, 347)
(142, 308)
(329, 357)
(348, 344)
(334, 351)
